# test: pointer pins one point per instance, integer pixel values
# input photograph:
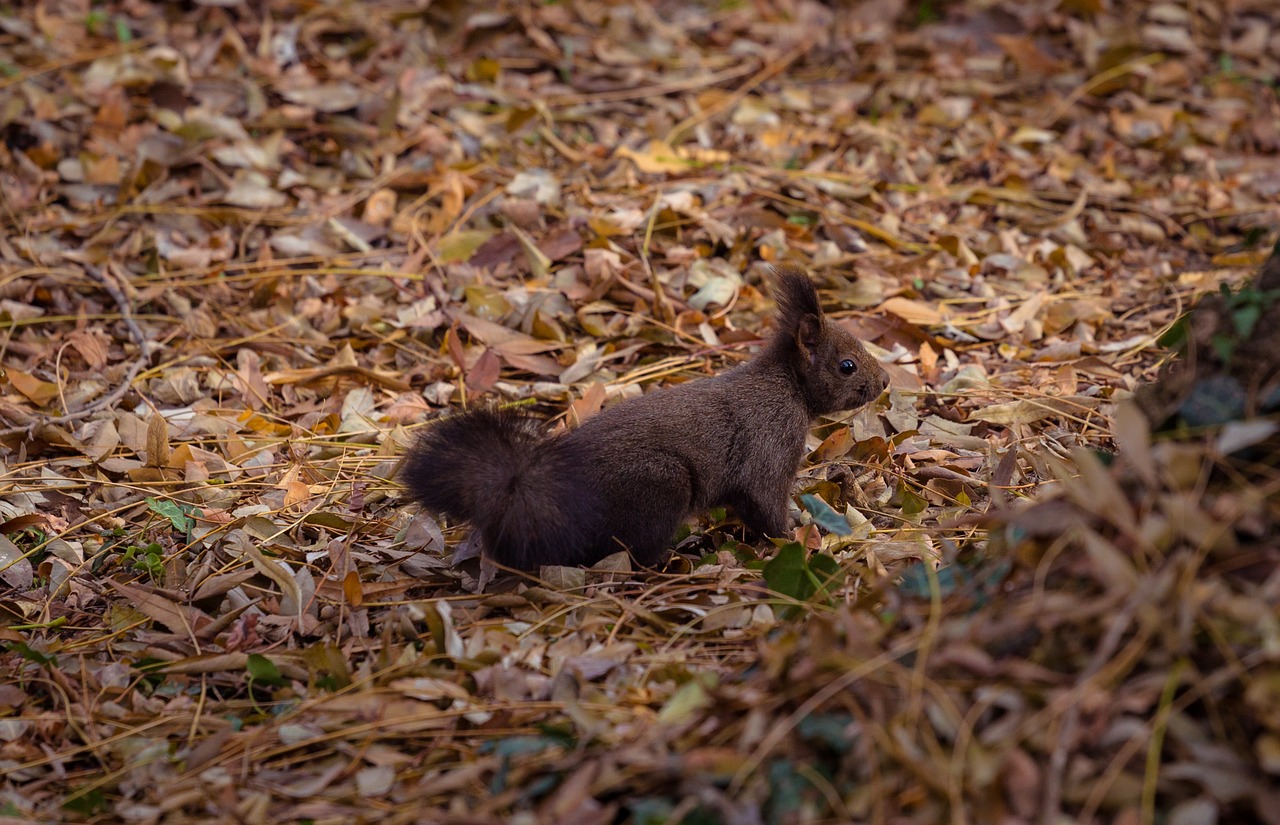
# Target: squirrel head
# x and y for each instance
(834, 370)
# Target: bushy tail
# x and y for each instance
(526, 493)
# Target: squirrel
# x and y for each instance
(631, 474)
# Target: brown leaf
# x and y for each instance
(1030, 410)
(92, 346)
(1028, 56)
(182, 620)
(38, 392)
(835, 446)
(484, 372)
(328, 97)
(380, 208)
(157, 441)
(351, 588)
(561, 244)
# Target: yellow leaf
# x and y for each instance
(484, 70)
(656, 158)
(913, 312)
(691, 697)
(539, 263)
(1250, 258)
(458, 247)
(1025, 314)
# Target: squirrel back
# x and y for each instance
(631, 474)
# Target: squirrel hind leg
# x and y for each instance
(649, 510)
(549, 515)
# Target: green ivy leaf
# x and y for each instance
(1175, 337)
(826, 573)
(1246, 318)
(785, 572)
(824, 516)
(790, 574)
(263, 671)
(915, 581)
(177, 514)
(786, 791)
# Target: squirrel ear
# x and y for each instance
(799, 313)
(808, 332)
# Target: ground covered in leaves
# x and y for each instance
(248, 248)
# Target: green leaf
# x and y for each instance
(95, 21)
(1175, 337)
(263, 671)
(912, 504)
(915, 580)
(825, 517)
(650, 811)
(785, 572)
(86, 803)
(828, 729)
(790, 574)
(786, 787)
(826, 574)
(175, 512)
(149, 560)
(30, 653)
(1245, 318)
(1224, 346)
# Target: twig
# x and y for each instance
(126, 312)
(126, 309)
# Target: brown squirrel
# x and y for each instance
(632, 473)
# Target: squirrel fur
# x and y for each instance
(631, 474)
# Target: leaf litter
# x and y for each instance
(249, 250)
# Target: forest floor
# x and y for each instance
(249, 249)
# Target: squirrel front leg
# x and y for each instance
(765, 511)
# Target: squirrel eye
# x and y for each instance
(847, 367)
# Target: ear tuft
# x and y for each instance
(797, 299)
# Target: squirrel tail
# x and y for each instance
(526, 493)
